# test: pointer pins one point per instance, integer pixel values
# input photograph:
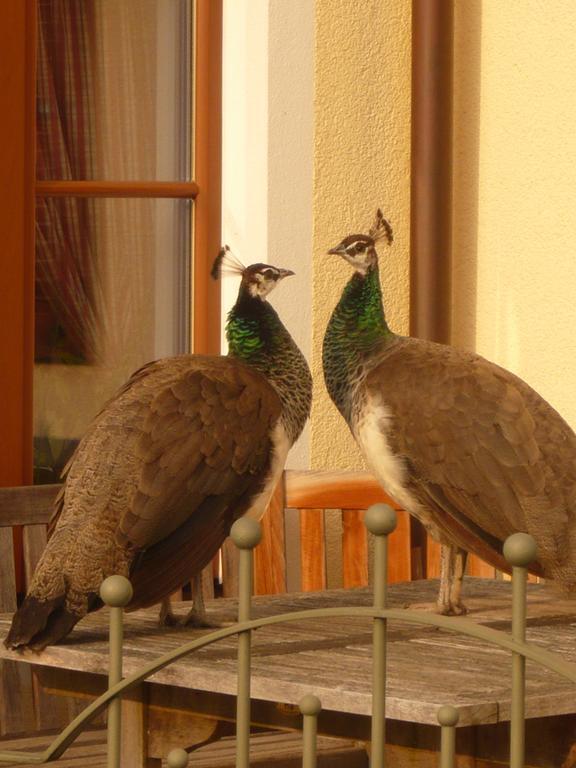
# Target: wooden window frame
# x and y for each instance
(19, 189)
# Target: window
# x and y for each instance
(127, 186)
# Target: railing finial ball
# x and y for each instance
(246, 533)
(520, 549)
(177, 758)
(380, 519)
(116, 591)
(310, 704)
(447, 715)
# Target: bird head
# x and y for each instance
(359, 250)
(257, 279)
(260, 279)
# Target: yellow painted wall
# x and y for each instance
(515, 192)
(361, 161)
(514, 260)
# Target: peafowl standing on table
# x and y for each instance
(465, 446)
(187, 446)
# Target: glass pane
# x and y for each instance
(111, 294)
(113, 89)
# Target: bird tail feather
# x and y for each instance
(38, 623)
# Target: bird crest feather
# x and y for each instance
(381, 228)
(226, 263)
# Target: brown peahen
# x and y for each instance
(465, 446)
(187, 446)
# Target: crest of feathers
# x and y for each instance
(226, 263)
(381, 228)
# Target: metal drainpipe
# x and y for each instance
(431, 188)
(431, 169)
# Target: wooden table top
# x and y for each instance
(426, 667)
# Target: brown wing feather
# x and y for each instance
(205, 435)
(171, 562)
(502, 458)
(186, 436)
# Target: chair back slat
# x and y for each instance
(34, 540)
(7, 572)
(312, 550)
(333, 489)
(270, 555)
(399, 550)
(354, 548)
(27, 505)
(229, 555)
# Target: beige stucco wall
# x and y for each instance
(361, 161)
(515, 192)
(514, 270)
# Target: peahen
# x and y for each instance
(465, 446)
(187, 446)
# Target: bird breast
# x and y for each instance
(371, 428)
(281, 445)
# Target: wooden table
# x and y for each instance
(184, 703)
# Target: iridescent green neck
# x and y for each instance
(254, 332)
(356, 330)
(257, 336)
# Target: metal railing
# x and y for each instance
(116, 591)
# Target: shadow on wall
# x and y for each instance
(466, 156)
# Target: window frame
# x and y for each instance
(19, 190)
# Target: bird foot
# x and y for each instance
(450, 608)
(198, 621)
(168, 620)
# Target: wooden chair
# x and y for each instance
(314, 537)
(24, 706)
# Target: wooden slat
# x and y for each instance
(354, 548)
(16, 699)
(34, 538)
(399, 553)
(229, 569)
(477, 567)
(333, 490)
(135, 731)
(27, 505)
(312, 550)
(282, 750)
(88, 751)
(7, 572)
(269, 555)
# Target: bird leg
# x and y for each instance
(196, 616)
(452, 567)
(167, 617)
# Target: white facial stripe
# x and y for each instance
(262, 286)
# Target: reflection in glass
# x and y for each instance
(113, 278)
(113, 89)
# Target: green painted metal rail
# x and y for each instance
(381, 521)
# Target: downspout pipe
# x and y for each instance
(431, 193)
(431, 169)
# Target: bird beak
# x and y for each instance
(338, 251)
(285, 273)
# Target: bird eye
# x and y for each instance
(360, 247)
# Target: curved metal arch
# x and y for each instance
(451, 624)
